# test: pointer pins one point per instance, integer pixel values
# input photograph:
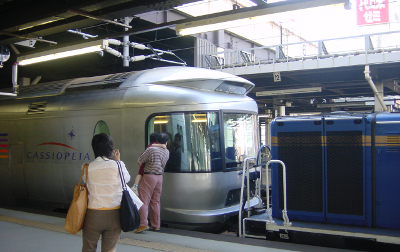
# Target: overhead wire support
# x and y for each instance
(84, 35)
(98, 18)
(28, 38)
(156, 55)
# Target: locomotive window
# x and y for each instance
(240, 138)
(194, 140)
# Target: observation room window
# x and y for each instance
(101, 127)
(196, 143)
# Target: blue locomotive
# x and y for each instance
(342, 168)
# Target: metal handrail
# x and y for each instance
(284, 211)
(245, 171)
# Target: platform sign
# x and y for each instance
(277, 76)
(372, 11)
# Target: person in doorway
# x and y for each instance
(104, 199)
(153, 142)
(150, 187)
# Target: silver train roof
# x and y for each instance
(188, 77)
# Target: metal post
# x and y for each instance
(368, 43)
(15, 78)
(378, 106)
(373, 87)
(282, 110)
(126, 43)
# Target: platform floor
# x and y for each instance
(27, 231)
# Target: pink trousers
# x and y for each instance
(150, 193)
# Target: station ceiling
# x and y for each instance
(49, 20)
(337, 84)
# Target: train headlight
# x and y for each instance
(234, 87)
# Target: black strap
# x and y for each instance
(120, 175)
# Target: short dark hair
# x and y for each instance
(153, 137)
(178, 137)
(102, 145)
(162, 138)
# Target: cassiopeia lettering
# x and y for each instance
(58, 155)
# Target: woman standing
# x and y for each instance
(105, 192)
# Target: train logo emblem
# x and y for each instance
(71, 135)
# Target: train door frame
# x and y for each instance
(17, 172)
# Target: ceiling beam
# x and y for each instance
(255, 11)
(392, 85)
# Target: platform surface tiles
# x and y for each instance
(27, 231)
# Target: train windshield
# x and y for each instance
(240, 137)
(200, 142)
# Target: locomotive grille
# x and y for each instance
(345, 172)
(302, 154)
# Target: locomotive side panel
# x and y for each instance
(328, 168)
(298, 143)
(387, 170)
(348, 169)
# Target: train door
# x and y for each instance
(387, 152)
(298, 143)
(17, 173)
(345, 170)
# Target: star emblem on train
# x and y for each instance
(71, 135)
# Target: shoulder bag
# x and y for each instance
(77, 210)
(129, 213)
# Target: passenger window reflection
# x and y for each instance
(175, 153)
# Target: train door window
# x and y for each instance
(239, 135)
(101, 127)
(194, 141)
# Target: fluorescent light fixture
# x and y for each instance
(8, 94)
(161, 122)
(245, 16)
(199, 118)
(289, 91)
(63, 52)
(161, 119)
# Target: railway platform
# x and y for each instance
(38, 231)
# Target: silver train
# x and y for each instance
(45, 136)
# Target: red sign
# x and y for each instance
(372, 11)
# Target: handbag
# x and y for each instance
(77, 209)
(129, 213)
